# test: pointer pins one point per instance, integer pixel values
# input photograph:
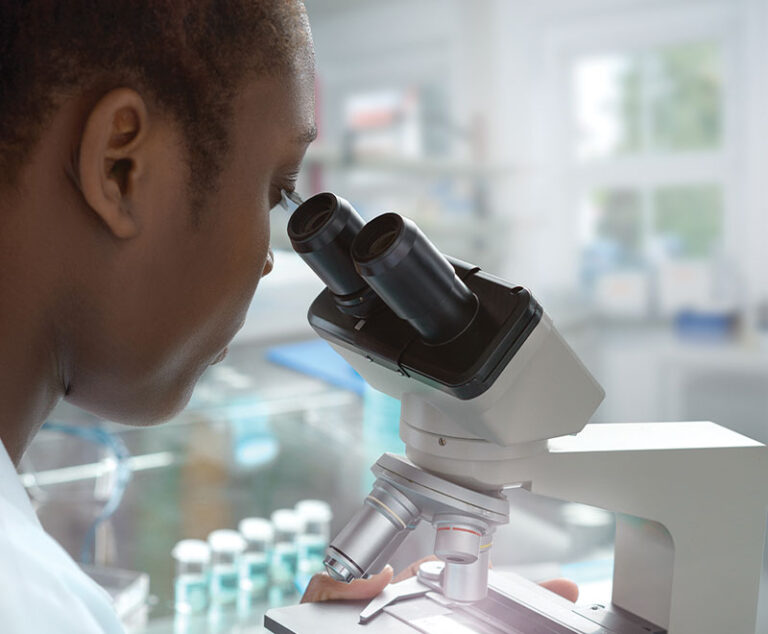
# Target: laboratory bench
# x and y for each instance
(256, 436)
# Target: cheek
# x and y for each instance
(201, 279)
(222, 261)
(237, 262)
(246, 249)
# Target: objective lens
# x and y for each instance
(321, 232)
(364, 545)
(413, 278)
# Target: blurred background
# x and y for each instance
(609, 155)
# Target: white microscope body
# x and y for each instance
(493, 397)
(691, 498)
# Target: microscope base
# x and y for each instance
(514, 605)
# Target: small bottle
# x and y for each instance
(190, 587)
(288, 524)
(317, 516)
(312, 542)
(254, 565)
(227, 547)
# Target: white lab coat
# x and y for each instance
(42, 590)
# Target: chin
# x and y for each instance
(162, 410)
(138, 409)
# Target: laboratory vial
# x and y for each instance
(190, 587)
(283, 570)
(317, 517)
(227, 548)
(258, 534)
(313, 541)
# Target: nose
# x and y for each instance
(269, 264)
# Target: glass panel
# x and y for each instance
(613, 232)
(608, 106)
(688, 219)
(686, 85)
(667, 99)
(618, 220)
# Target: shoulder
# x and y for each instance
(44, 590)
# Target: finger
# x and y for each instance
(565, 588)
(323, 587)
(411, 570)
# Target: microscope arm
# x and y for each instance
(695, 565)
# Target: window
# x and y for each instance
(667, 99)
(689, 219)
(646, 152)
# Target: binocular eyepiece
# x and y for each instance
(389, 259)
(321, 231)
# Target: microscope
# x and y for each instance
(493, 397)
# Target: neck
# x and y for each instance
(30, 383)
(28, 393)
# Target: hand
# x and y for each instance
(323, 587)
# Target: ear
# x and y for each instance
(111, 159)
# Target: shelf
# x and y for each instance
(334, 159)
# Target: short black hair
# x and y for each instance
(189, 55)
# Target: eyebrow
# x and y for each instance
(308, 135)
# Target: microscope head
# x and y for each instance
(447, 339)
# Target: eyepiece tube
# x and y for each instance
(413, 278)
(321, 231)
(364, 545)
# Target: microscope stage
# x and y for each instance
(514, 606)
